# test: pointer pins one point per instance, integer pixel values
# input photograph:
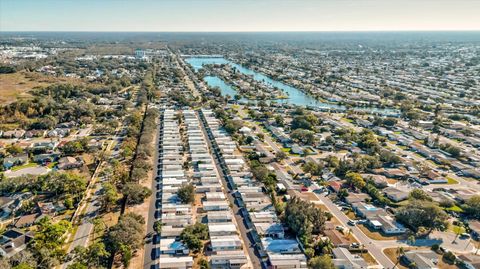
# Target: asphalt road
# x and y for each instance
(369, 244)
(149, 244)
(248, 242)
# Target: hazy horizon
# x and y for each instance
(239, 16)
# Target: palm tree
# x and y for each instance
(458, 232)
(327, 246)
(400, 252)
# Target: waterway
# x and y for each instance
(294, 96)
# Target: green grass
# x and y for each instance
(16, 168)
(454, 209)
(451, 181)
(347, 120)
(287, 150)
(457, 229)
(52, 164)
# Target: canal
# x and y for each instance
(294, 96)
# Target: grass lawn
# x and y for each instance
(454, 209)
(16, 168)
(9, 126)
(287, 150)
(451, 181)
(346, 120)
(52, 164)
(456, 229)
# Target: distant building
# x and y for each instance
(139, 53)
(66, 163)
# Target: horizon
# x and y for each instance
(238, 16)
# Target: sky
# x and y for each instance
(239, 15)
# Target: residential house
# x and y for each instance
(395, 194)
(343, 259)
(66, 163)
(387, 224)
(173, 247)
(421, 259)
(9, 162)
(223, 243)
(337, 238)
(18, 133)
(13, 241)
(232, 259)
(365, 210)
(177, 262)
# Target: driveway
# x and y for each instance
(36, 171)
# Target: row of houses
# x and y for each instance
(257, 209)
(174, 216)
(225, 243)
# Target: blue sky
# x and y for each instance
(238, 15)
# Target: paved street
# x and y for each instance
(369, 244)
(254, 257)
(149, 244)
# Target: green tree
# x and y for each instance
(419, 213)
(355, 180)
(157, 226)
(193, 235)
(419, 194)
(280, 155)
(472, 206)
(110, 196)
(135, 193)
(186, 193)
(313, 168)
(321, 262)
(126, 236)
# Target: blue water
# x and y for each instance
(295, 96)
(214, 81)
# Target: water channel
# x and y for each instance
(295, 96)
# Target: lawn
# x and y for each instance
(454, 209)
(456, 229)
(451, 181)
(16, 168)
(52, 164)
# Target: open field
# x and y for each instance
(17, 85)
